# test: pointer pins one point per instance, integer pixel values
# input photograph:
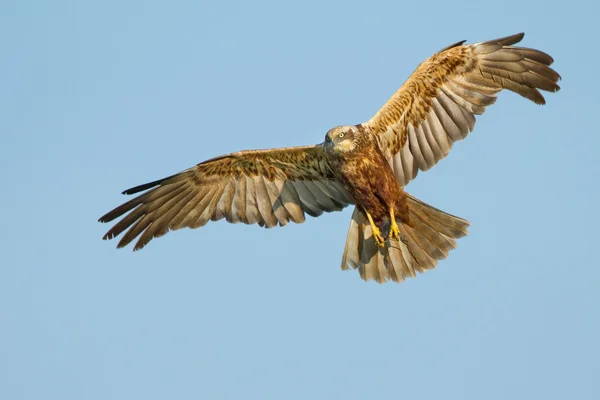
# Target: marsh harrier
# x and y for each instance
(392, 234)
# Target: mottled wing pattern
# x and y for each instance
(265, 187)
(437, 105)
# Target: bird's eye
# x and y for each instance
(341, 135)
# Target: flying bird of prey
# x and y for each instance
(392, 234)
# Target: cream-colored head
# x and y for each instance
(341, 138)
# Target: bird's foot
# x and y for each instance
(394, 231)
(378, 236)
(376, 232)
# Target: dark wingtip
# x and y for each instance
(452, 45)
(149, 185)
(145, 186)
(106, 218)
(123, 242)
(511, 40)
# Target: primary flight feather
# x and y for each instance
(392, 235)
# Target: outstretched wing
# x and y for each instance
(437, 105)
(267, 187)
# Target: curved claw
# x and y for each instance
(378, 237)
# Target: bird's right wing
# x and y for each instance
(267, 187)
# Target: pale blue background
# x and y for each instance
(96, 98)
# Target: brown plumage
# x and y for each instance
(392, 235)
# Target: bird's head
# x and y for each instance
(342, 138)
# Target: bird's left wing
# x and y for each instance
(267, 187)
(437, 105)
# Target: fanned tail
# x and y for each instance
(430, 237)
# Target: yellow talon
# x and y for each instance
(394, 230)
(378, 237)
(376, 232)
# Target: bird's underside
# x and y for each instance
(392, 235)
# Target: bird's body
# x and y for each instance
(392, 235)
(367, 176)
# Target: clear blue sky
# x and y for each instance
(96, 98)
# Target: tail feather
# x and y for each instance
(430, 237)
